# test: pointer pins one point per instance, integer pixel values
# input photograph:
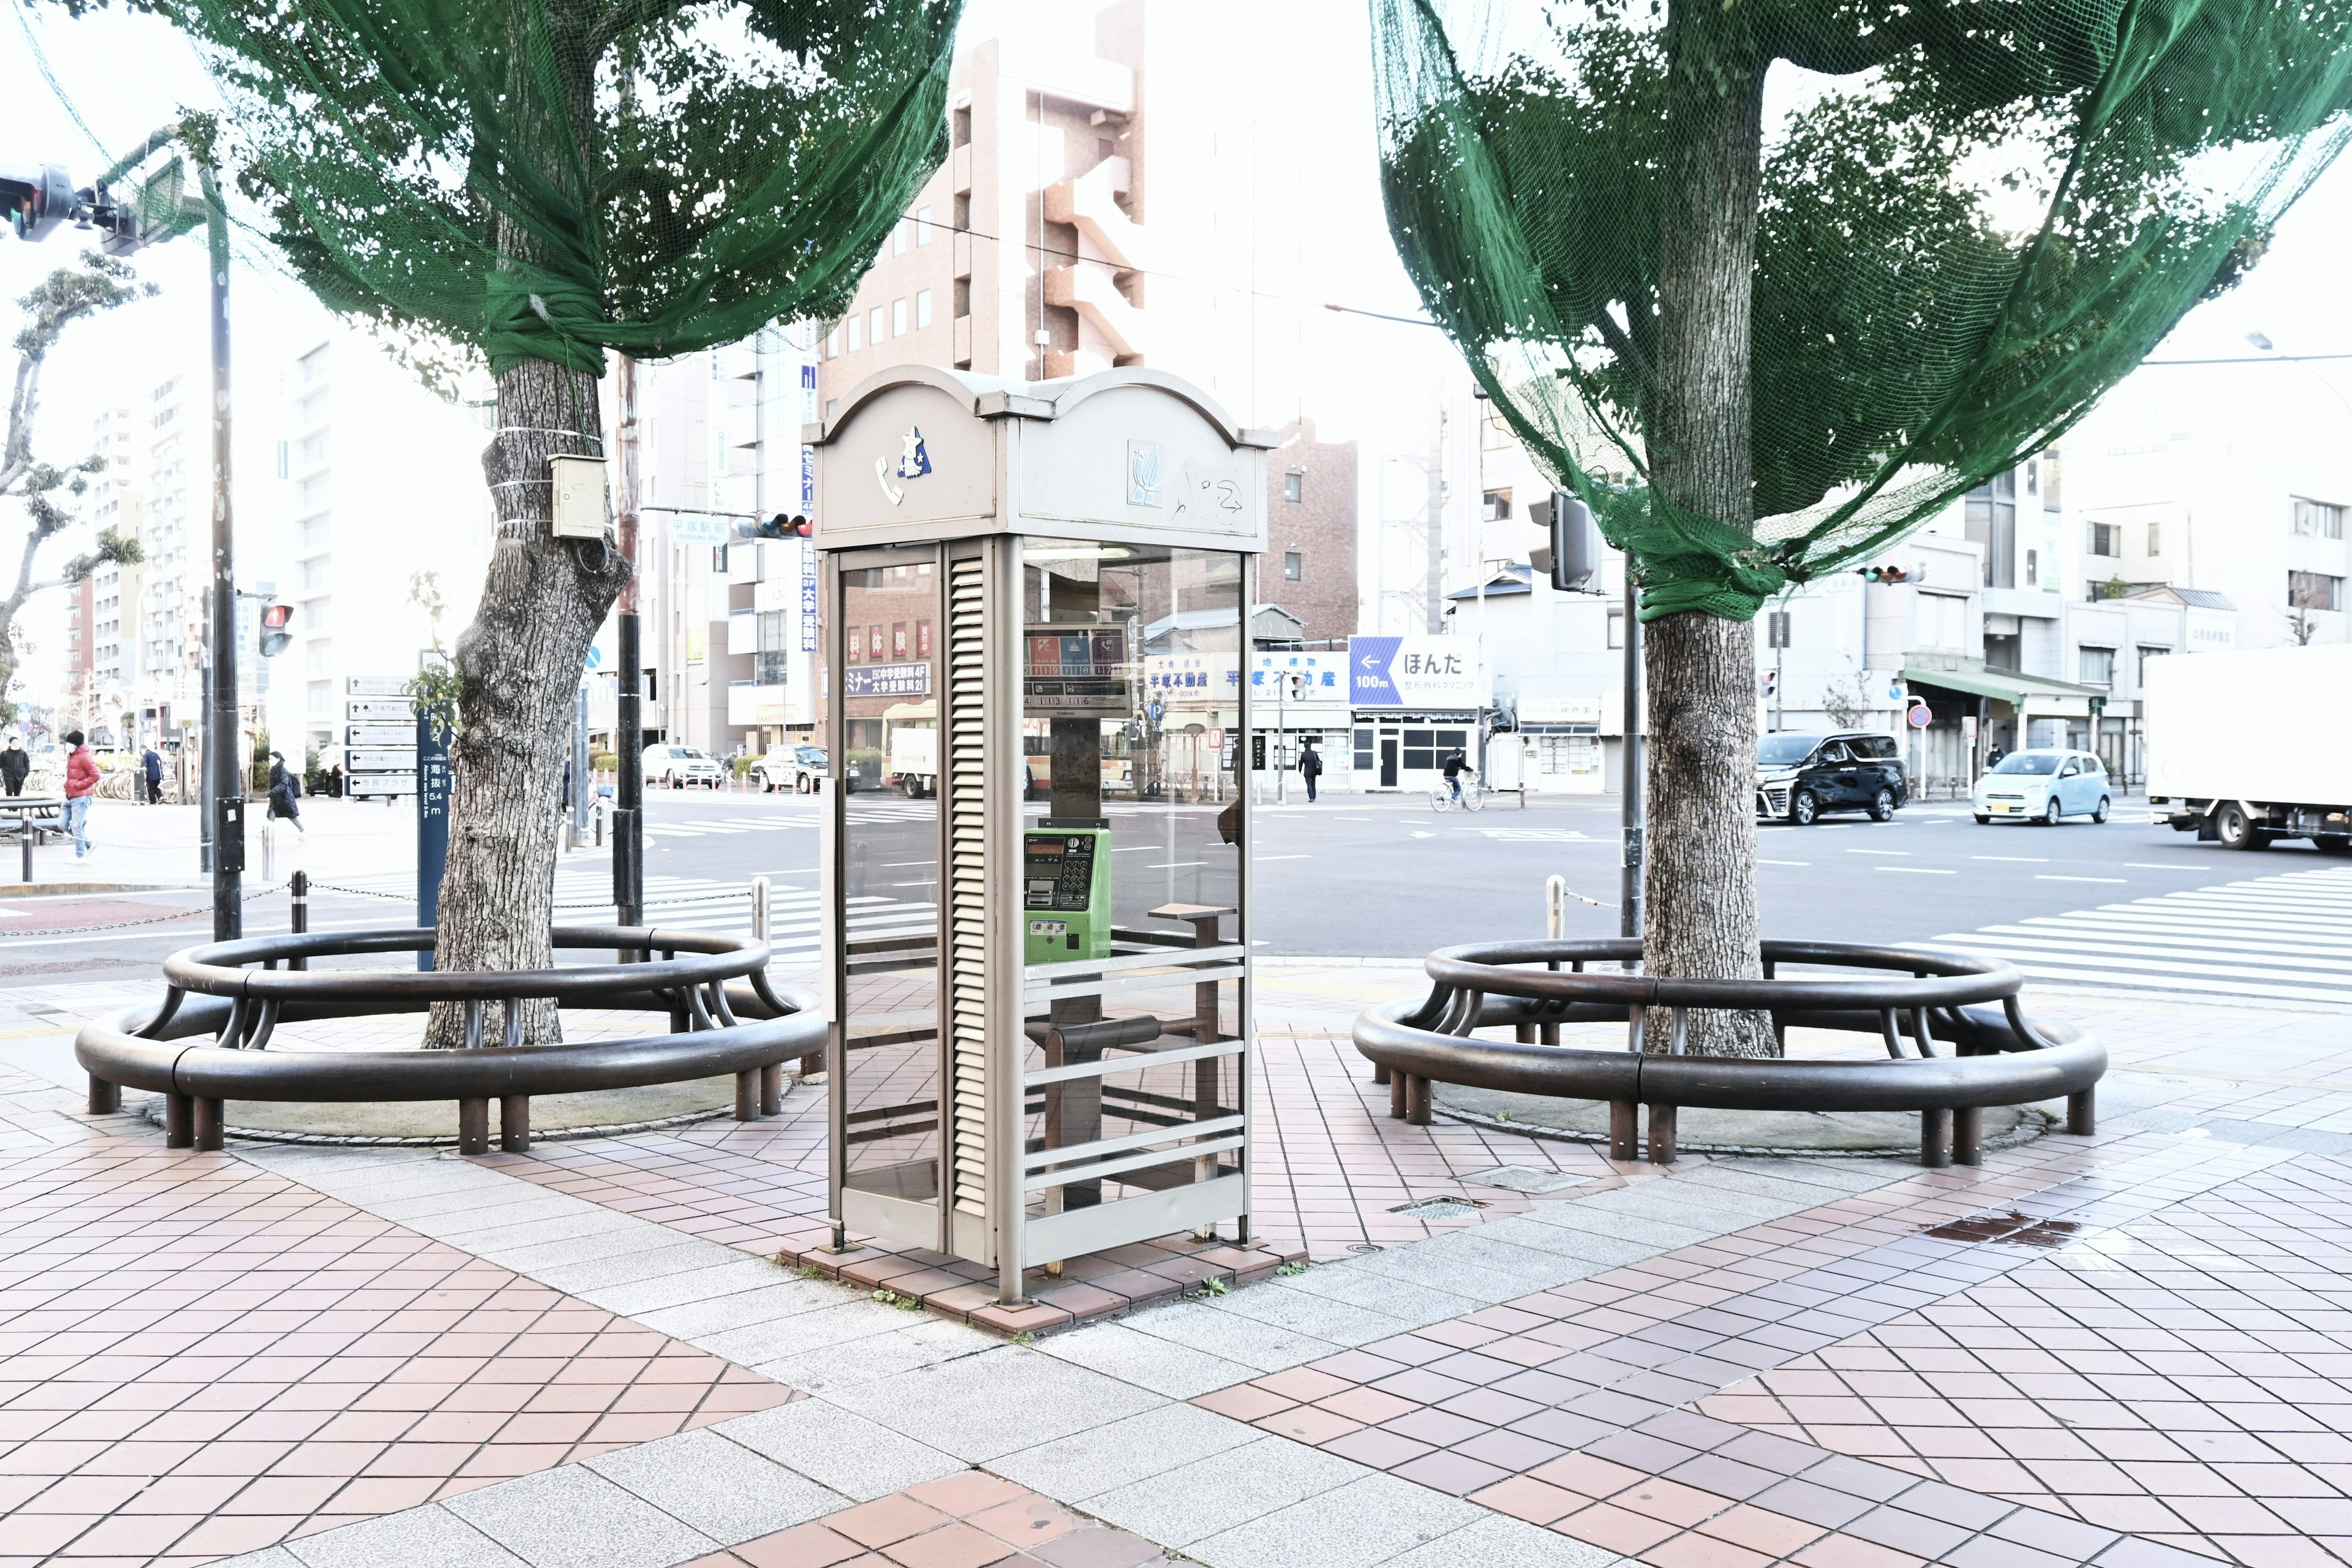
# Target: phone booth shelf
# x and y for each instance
(1036, 598)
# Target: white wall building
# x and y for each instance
(377, 481)
(2239, 498)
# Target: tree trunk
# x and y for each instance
(1699, 875)
(518, 665)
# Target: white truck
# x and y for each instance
(2245, 748)
(911, 741)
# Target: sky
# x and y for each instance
(127, 73)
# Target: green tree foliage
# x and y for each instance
(545, 179)
(51, 493)
(1972, 219)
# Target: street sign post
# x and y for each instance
(431, 822)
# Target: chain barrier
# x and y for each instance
(650, 903)
(12, 935)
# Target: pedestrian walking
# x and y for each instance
(150, 761)
(81, 785)
(15, 763)
(1310, 767)
(285, 789)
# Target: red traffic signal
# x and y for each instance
(275, 619)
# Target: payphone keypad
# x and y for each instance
(1059, 870)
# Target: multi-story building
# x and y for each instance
(726, 631)
(163, 621)
(2244, 497)
(1083, 222)
(378, 482)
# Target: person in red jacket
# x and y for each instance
(81, 787)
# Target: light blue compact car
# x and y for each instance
(2043, 786)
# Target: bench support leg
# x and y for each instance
(179, 1121)
(2083, 1113)
(1397, 1086)
(473, 1126)
(1416, 1103)
(1624, 1129)
(105, 1099)
(210, 1115)
(1379, 1072)
(747, 1095)
(1935, 1139)
(771, 1089)
(1661, 1134)
(813, 1065)
(1967, 1136)
(514, 1123)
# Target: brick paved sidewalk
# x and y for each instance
(577, 1357)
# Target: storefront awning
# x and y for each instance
(2026, 693)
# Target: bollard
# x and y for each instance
(1555, 927)
(599, 815)
(25, 837)
(299, 914)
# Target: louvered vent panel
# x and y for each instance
(967, 886)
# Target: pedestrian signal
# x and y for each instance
(275, 619)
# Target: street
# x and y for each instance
(2084, 904)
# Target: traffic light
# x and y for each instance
(39, 200)
(1770, 685)
(780, 526)
(275, 618)
(1571, 556)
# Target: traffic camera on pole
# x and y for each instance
(275, 619)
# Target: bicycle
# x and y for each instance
(1473, 798)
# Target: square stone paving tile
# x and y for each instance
(966, 1520)
(198, 1358)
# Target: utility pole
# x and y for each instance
(1434, 534)
(628, 716)
(224, 790)
(1629, 876)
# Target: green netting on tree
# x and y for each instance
(1969, 220)
(546, 179)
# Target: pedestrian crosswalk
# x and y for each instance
(801, 815)
(2283, 939)
(796, 913)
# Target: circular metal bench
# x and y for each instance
(1956, 1039)
(725, 1018)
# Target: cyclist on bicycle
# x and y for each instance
(1454, 765)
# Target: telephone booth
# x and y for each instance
(1035, 614)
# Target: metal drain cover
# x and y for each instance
(1526, 1179)
(1440, 1208)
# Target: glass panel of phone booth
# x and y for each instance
(886, 653)
(1131, 712)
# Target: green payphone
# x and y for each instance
(1065, 894)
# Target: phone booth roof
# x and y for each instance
(1131, 455)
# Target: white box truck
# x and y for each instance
(2245, 748)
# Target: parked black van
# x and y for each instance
(1797, 777)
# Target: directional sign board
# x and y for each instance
(698, 528)
(379, 711)
(387, 760)
(372, 685)
(1413, 671)
(385, 734)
